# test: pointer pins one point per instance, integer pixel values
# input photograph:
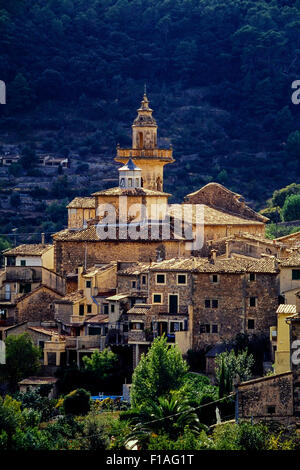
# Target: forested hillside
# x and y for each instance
(218, 74)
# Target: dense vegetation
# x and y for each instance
(219, 77)
(184, 414)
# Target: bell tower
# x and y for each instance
(144, 127)
(144, 152)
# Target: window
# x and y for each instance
(112, 308)
(160, 278)
(89, 309)
(23, 262)
(214, 303)
(181, 279)
(295, 274)
(215, 278)
(105, 309)
(81, 309)
(250, 324)
(125, 327)
(88, 284)
(214, 329)
(136, 326)
(157, 298)
(11, 261)
(175, 326)
(144, 279)
(205, 328)
(122, 182)
(271, 410)
(133, 284)
(252, 277)
(252, 301)
(207, 303)
(129, 182)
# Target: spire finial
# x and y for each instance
(145, 89)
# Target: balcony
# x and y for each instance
(83, 342)
(140, 336)
(23, 274)
(161, 154)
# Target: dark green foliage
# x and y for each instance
(77, 402)
(291, 208)
(22, 358)
(157, 373)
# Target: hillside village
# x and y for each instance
(83, 293)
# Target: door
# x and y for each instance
(173, 303)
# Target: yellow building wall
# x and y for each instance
(287, 284)
(149, 201)
(48, 259)
(282, 353)
(76, 217)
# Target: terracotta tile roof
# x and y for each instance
(44, 331)
(38, 381)
(98, 319)
(139, 309)
(91, 272)
(82, 203)
(293, 260)
(295, 235)
(72, 297)
(90, 234)
(286, 308)
(28, 250)
(118, 297)
(129, 192)
(214, 216)
(249, 236)
(134, 269)
(223, 265)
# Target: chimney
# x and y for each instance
(43, 238)
(227, 249)
(213, 255)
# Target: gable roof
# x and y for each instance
(82, 203)
(216, 196)
(34, 249)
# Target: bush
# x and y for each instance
(77, 402)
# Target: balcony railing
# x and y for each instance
(83, 342)
(152, 153)
(140, 336)
(23, 274)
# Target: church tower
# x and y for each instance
(144, 152)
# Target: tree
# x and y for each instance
(291, 208)
(29, 158)
(158, 372)
(101, 363)
(293, 145)
(77, 402)
(229, 365)
(22, 358)
(167, 416)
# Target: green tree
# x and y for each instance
(158, 372)
(22, 358)
(19, 93)
(167, 416)
(229, 365)
(77, 402)
(293, 145)
(101, 363)
(291, 208)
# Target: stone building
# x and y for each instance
(141, 205)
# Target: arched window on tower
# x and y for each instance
(141, 140)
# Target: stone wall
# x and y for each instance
(37, 306)
(217, 196)
(69, 255)
(267, 398)
(233, 292)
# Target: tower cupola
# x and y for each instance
(130, 176)
(144, 128)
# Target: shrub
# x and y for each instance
(77, 402)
